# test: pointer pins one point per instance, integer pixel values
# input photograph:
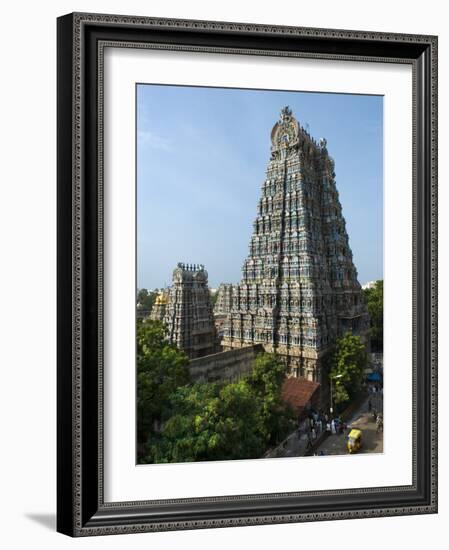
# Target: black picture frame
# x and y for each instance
(81, 509)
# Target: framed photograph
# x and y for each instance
(247, 274)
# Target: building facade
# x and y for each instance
(299, 289)
(188, 313)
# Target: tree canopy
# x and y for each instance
(222, 421)
(347, 367)
(161, 369)
(210, 422)
(375, 302)
(266, 380)
(213, 297)
(146, 298)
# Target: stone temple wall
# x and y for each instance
(226, 366)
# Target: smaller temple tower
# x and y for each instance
(188, 314)
(223, 305)
(222, 308)
(159, 307)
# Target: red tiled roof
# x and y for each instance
(298, 392)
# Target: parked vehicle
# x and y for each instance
(354, 441)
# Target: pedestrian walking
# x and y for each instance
(379, 424)
(370, 405)
(309, 441)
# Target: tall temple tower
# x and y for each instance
(299, 289)
(188, 314)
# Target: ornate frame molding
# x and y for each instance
(81, 41)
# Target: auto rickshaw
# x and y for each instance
(354, 440)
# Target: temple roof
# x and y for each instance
(298, 392)
(161, 299)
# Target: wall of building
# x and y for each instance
(227, 365)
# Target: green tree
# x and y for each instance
(146, 298)
(266, 380)
(375, 302)
(347, 367)
(161, 369)
(213, 297)
(267, 375)
(219, 421)
(142, 294)
(210, 422)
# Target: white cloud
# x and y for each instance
(145, 138)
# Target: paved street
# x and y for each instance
(297, 444)
(363, 420)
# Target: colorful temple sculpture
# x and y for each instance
(222, 308)
(299, 290)
(188, 313)
(159, 307)
(223, 304)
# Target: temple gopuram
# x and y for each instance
(159, 306)
(188, 312)
(299, 289)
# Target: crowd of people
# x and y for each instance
(318, 422)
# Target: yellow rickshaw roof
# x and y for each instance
(355, 433)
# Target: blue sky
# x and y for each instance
(201, 160)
